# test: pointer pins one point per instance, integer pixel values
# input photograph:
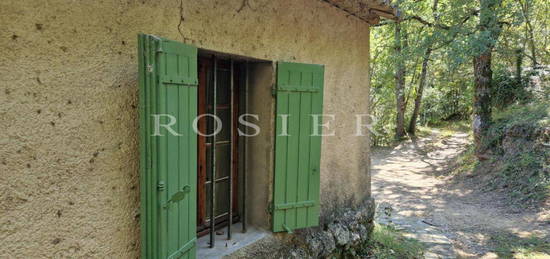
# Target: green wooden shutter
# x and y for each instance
(168, 85)
(297, 156)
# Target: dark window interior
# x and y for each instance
(227, 100)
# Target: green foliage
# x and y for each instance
(450, 103)
(519, 136)
(508, 89)
(512, 246)
(388, 243)
(455, 37)
(526, 118)
(525, 177)
(520, 164)
(466, 163)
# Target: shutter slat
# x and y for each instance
(162, 165)
(297, 156)
(303, 155)
(172, 159)
(280, 161)
(315, 154)
(292, 157)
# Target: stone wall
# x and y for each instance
(341, 236)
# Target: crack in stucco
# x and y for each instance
(180, 24)
(244, 4)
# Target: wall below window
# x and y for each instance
(69, 164)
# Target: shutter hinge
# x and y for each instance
(273, 92)
(161, 185)
(159, 43)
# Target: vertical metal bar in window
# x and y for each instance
(232, 155)
(245, 150)
(213, 159)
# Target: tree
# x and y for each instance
(451, 49)
(423, 75)
(488, 30)
(400, 72)
(526, 11)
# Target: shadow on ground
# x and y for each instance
(410, 178)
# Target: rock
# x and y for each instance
(329, 244)
(363, 232)
(320, 243)
(315, 243)
(299, 253)
(341, 233)
(355, 237)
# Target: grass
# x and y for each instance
(511, 246)
(423, 131)
(524, 117)
(522, 177)
(388, 243)
(447, 128)
(523, 166)
(519, 160)
(536, 113)
(455, 126)
(466, 162)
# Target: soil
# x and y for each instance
(412, 178)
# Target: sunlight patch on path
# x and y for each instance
(449, 218)
(438, 246)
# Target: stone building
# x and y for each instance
(91, 88)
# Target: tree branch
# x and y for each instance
(441, 26)
(430, 24)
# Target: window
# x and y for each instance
(225, 100)
(177, 171)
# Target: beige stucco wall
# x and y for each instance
(68, 91)
(260, 162)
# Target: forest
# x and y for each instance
(448, 60)
(477, 68)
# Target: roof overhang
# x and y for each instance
(369, 11)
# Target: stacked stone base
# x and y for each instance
(340, 237)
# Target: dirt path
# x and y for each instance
(439, 212)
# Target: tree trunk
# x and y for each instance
(532, 45)
(519, 62)
(399, 84)
(419, 92)
(488, 25)
(423, 76)
(482, 100)
(525, 9)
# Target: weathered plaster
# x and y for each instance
(68, 92)
(261, 147)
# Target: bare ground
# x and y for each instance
(409, 178)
